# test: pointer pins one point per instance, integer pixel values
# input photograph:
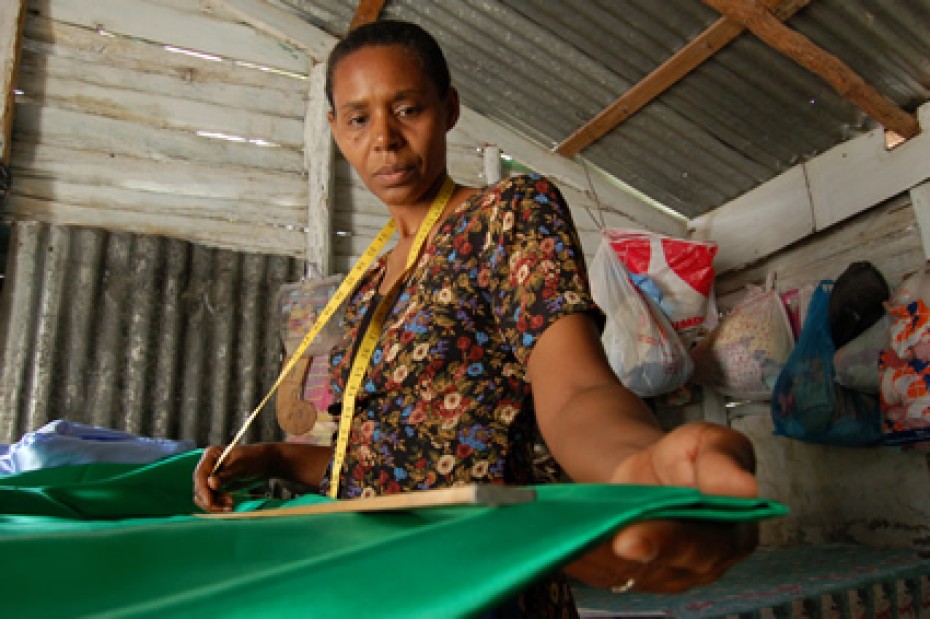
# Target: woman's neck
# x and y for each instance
(408, 217)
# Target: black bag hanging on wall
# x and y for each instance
(857, 301)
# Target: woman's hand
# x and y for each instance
(672, 556)
(244, 465)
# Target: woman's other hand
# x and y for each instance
(665, 556)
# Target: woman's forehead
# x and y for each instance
(381, 59)
(381, 63)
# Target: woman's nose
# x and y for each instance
(386, 134)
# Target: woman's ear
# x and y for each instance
(452, 108)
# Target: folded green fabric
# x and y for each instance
(78, 543)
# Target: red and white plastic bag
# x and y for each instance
(681, 269)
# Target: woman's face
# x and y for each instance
(390, 123)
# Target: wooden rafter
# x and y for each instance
(688, 58)
(366, 12)
(806, 53)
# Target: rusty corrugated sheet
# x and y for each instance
(155, 336)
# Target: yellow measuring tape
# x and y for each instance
(345, 288)
(367, 346)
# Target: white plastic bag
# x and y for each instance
(856, 363)
(643, 349)
(744, 354)
(299, 304)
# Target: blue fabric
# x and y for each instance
(65, 443)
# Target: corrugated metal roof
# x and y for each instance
(545, 67)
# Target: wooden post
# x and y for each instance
(318, 157)
(12, 18)
(492, 164)
(920, 202)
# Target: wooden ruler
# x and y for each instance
(471, 494)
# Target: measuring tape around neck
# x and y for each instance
(342, 292)
(370, 338)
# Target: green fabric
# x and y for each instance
(439, 562)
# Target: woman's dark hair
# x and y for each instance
(391, 32)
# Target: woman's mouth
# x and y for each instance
(393, 175)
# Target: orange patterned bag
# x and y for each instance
(904, 367)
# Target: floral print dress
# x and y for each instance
(446, 400)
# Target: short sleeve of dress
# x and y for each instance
(535, 261)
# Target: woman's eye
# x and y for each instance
(356, 121)
(408, 110)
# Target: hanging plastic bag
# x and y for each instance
(856, 363)
(642, 347)
(681, 269)
(796, 302)
(904, 366)
(300, 304)
(807, 402)
(744, 354)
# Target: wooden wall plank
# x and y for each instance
(814, 196)
(241, 236)
(147, 205)
(66, 41)
(280, 24)
(860, 173)
(168, 23)
(39, 68)
(920, 198)
(12, 15)
(58, 164)
(759, 222)
(164, 110)
(37, 123)
(885, 235)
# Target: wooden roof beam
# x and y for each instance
(806, 53)
(366, 12)
(666, 75)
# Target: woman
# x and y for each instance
(491, 335)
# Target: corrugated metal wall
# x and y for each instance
(152, 224)
(156, 336)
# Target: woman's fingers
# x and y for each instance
(601, 567)
(208, 493)
(694, 552)
(665, 556)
